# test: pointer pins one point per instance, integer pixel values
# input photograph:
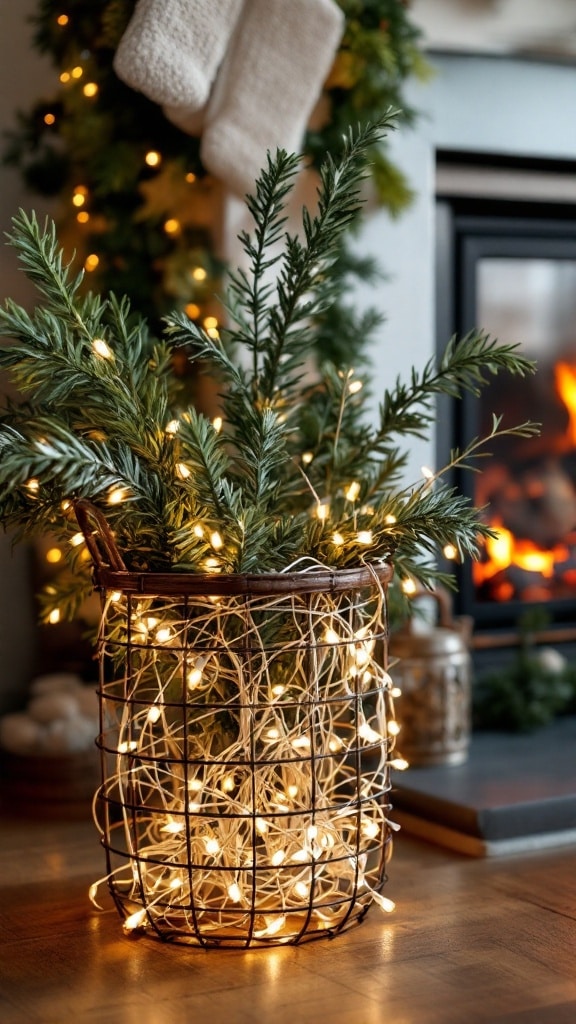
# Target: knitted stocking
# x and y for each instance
(171, 49)
(267, 86)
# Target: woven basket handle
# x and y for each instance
(98, 536)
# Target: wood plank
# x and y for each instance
(471, 940)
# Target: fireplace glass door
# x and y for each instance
(517, 280)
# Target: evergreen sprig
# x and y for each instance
(296, 471)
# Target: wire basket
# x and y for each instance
(245, 749)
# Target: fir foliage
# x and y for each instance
(297, 474)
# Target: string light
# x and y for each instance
(62, 20)
(77, 540)
(54, 616)
(91, 262)
(117, 495)
(307, 458)
(32, 485)
(183, 470)
(199, 274)
(172, 226)
(77, 71)
(322, 511)
(337, 540)
(301, 852)
(153, 158)
(83, 217)
(216, 540)
(65, 77)
(352, 491)
(192, 310)
(355, 386)
(409, 586)
(49, 119)
(364, 536)
(172, 427)
(53, 556)
(217, 423)
(450, 552)
(90, 90)
(190, 178)
(102, 349)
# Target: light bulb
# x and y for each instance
(102, 349)
(353, 491)
(364, 536)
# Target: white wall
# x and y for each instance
(23, 77)
(477, 104)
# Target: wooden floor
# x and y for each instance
(471, 941)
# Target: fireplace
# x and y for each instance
(510, 268)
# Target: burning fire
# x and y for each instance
(506, 550)
(565, 380)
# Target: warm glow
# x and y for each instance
(49, 119)
(199, 274)
(337, 540)
(77, 72)
(450, 552)
(54, 616)
(307, 458)
(54, 555)
(192, 310)
(364, 536)
(77, 539)
(83, 217)
(210, 322)
(172, 226)
(322, 511)
(78, 199)
(153, 158)
(505, 550)
(65, 77)
(183, 471)
(62, 20)
(355, 386)
(91, 262)
(217, 423)
(116, 495)
(565, 380)
(352, 491)
(102, 349)
(216, 540)
(172, 427)
(190, 178)
(32, 485)
(408, 586)
(90, 90)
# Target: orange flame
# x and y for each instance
(565, 380)
(505, 550)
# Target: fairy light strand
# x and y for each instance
(227, 762)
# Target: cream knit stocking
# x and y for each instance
(267, 86)
(171, 49)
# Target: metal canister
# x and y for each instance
(434, 673)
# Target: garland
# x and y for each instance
(136, 204)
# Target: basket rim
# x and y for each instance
(184, 584)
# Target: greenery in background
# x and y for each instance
(537, 685)
(296, 473)
(147, 232)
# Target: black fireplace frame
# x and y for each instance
(469, 228)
